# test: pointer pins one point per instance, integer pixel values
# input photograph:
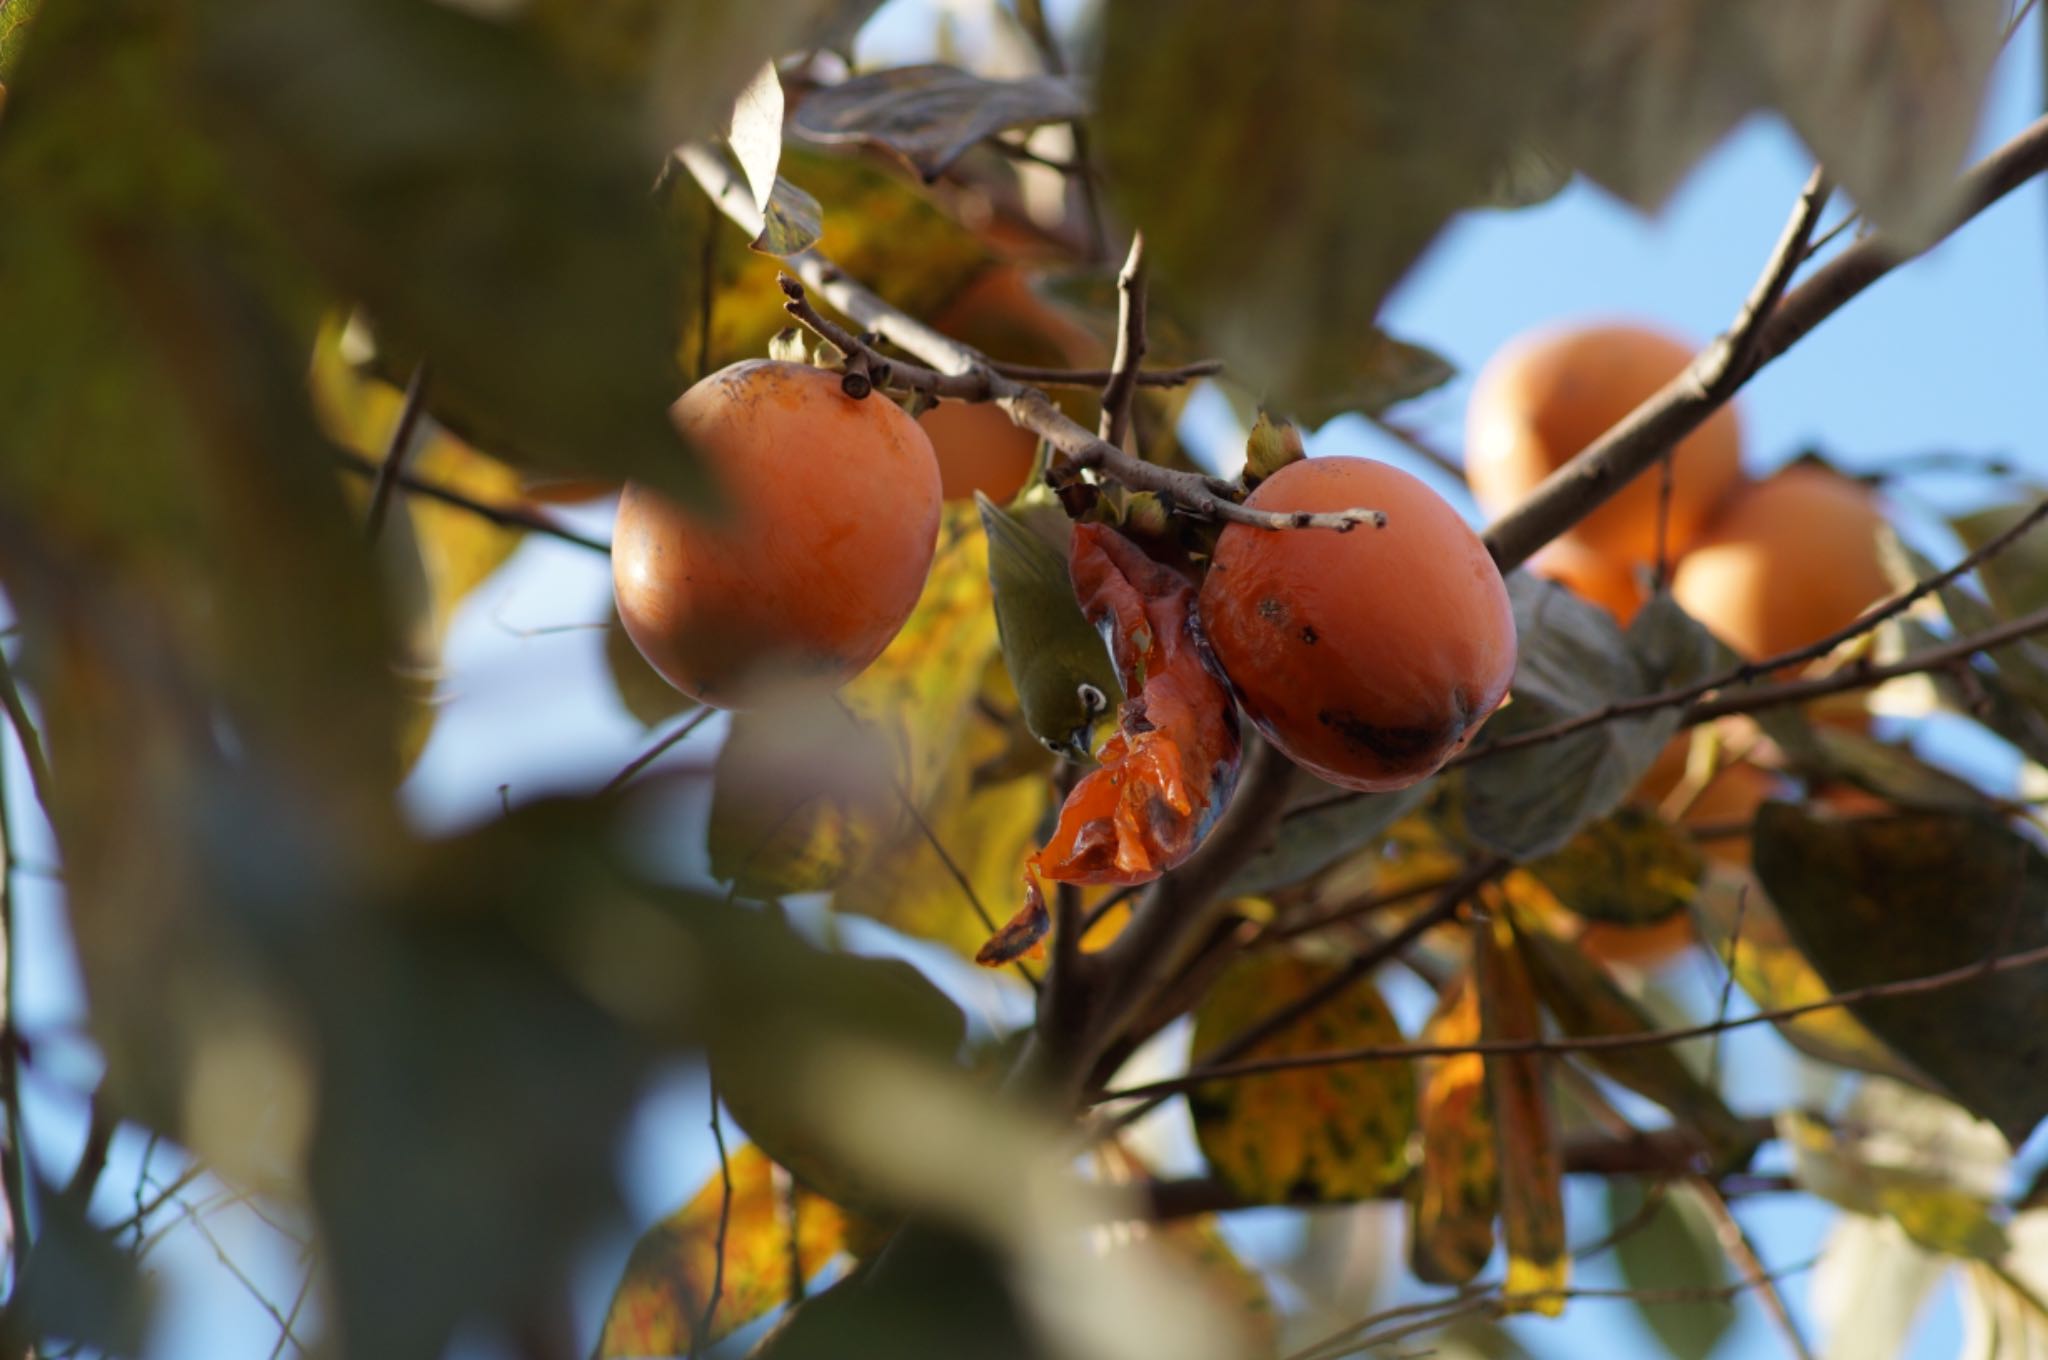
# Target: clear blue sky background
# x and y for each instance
(1950, 353)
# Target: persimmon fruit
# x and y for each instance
(1614, 586)
(979, 447)
(1786, 562)
(1369, 657)
(1547, 395)
(830, 524)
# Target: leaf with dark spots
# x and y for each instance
(1856, 897)
(930, 115)
(1526, 1133)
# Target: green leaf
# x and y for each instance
(660, 1301)
(1525, 1131)
(1882, 899)
(1321, 1134)
(402, 143)
(1573, 660)
(2016, 578)
(932, 115)
(1454, 1194)
(1676, 1248)
(1775, 975)
(1630, 869)
(15, 20)
(1585, 1002)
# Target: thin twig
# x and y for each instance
(1364, 905)
(220, 1252)
(25, 732)
(14, 1159)
(656, 751)
(504, 516)
(1613, 460)
(1040, 376)
(1735, 1241)
(1131, 343)
(1855, 996)
(1730, 359)
(1727, 983)
(284, 1335)
(703, 1329)
(409, 412)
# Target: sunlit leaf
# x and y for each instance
(1573, 659)
(1326, 1133)
(2004, 1317)
(791, 222)
(14, 29)
(1531, 1165)
(1454, 1194)
(755, 131)
(2016, 578)
(1859, 899)
(1869, 1286)
(1677, 1248)
(1585, 1001)
(1631, 869)
(661, 1301)
(931, 115)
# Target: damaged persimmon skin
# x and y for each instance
(1168, 771)
(1369, 656)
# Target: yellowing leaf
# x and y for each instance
(1327, 1133)
(1632, 869)
(661, 1300)
(1532, 1170)
(1455, 1192)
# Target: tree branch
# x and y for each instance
(1131, 343)
(395, 452)
(1855, 996)
(961, 372)
(504, 516)
(1572, 492)
(1178, 376)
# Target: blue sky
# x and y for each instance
(1948, 354)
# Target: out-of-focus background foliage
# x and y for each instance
(405, 1031)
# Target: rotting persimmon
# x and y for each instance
(1785, 562)
(1547, 395)
(1169, 769)
(1370, 656)
(831, 521)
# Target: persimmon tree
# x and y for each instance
(312, 311)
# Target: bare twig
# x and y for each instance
(25, 732)
(963, 373)
(1131, 343)
(395, 452)
(656, 751)
(1610, 462)
(1038, 376)
(504, 516)
(14, 1159)
(284, 1334)
(703, 1328)
(1730, 359)
(1735, 1242)
(1855, 996)
(1751, 671)
(1727, 982)
(1364, 905)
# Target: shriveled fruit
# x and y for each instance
(1546, 396)
(1785, 562)
(830, 527)
(1369, 657)
(1596, 579)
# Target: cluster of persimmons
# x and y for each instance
(1369, 656)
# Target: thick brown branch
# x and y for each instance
(1610, 462)
(1855, 996)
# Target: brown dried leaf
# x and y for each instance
(1532, 1169)
(1454, 1195)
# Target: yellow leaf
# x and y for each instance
(1532, 1170)
(1455, 1193)
(661, 1299)
(1326, 1133)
